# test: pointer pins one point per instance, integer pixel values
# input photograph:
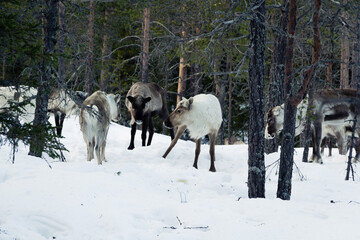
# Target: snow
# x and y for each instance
(139, 195)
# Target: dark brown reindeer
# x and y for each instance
(144, 101)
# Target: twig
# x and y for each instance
(204, 227)
(302, 177)
(179, 220)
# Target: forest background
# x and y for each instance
(187, 47)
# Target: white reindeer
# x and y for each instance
(201, 115)
(95, 121)
(60, 102)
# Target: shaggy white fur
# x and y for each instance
(95, 124)
(60, 101)
(204, 115)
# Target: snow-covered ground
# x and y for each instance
(139, 195)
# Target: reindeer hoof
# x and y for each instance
(131, 147)
(212, 170)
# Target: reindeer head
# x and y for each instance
(179, 115)
(138, 108)
(274, 122)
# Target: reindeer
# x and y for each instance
(60, 102)
(145, 100)
(95, 121)
(333, 111)
(200, 115)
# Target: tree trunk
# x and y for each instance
(316, 53)
(230, 89)
(329, 67)
(145, 50)
(292, 100)
(37, 142)
(256, 162)
(349, 168)
(220, 93)
(89, 87)
(307, 132)
(182, 71)
(355, 68)
(345, 52)
(166, 86)
(275, 96)
(3, 67)
(287, 146)
(62, 44)
(105, 51)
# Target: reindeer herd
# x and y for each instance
(200, 114)
(332, 110)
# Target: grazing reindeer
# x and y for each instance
(332, 110)
(201, 115)
(61, 104)
(145, 100)
(94, 122)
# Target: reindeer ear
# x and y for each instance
(190, 101)
(130, 98)
(147, 99)
(117, 98)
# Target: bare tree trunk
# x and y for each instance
(230, 89)
(62, 44)
(37, 142)
(307, 132)
(197, 70)
(105, 51)
(329, 67)
(145, 50)
(256, 162)
(345, 52)
(89, 87)
(4, 68)
(182, 72)
(292, 100)
(349, 168)
(166, 85)
(355, 67)
(287, 146)
(275, 96)
(220, 93)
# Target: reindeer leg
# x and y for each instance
(316, 157)
(144, 129)
(133, 131)
(212, 152)
(151, 131)
(179, 132)
(197, 152)
(323, 144)
(57, 123)
(88, 145)
(61, 123)
(92, 146)
(97, 151)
